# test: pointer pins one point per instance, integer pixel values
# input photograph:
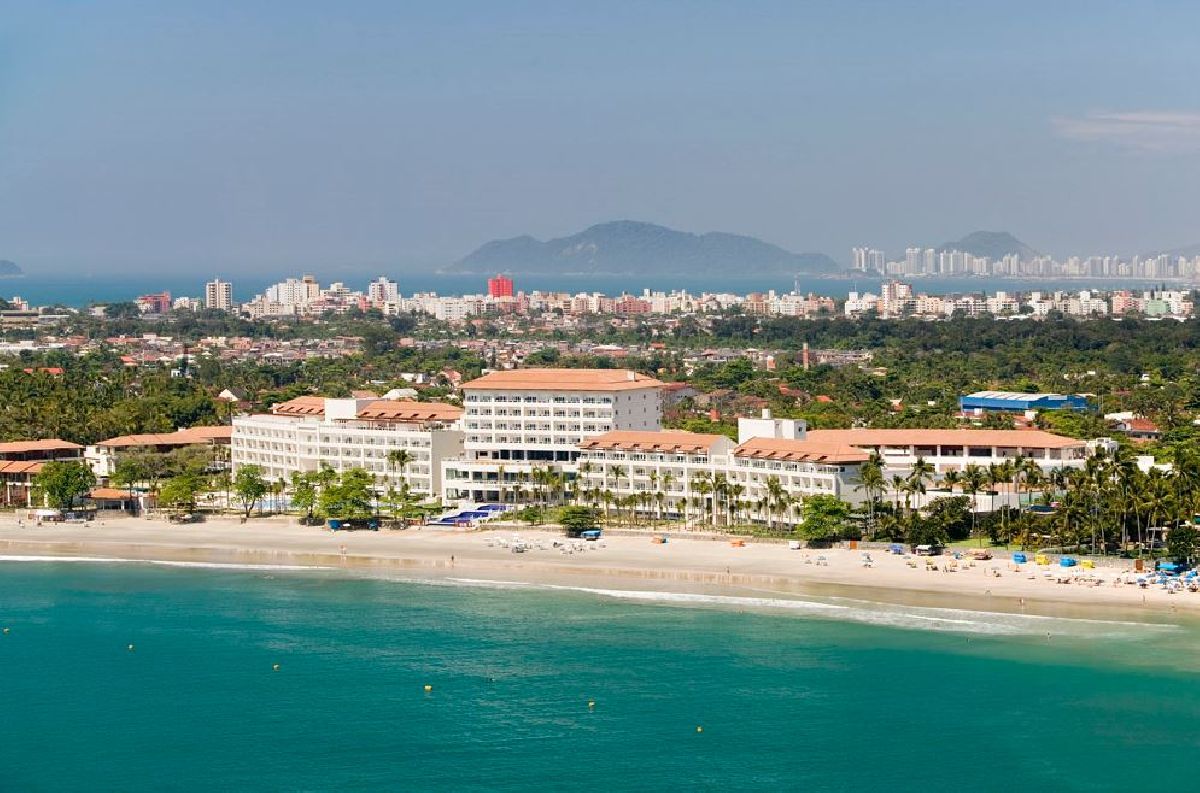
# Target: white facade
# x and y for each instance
(218, 294)
(344, 436)
(515, 421)
(954, 450)
(381, 291)
(709, 477)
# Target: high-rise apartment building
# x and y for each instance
(218, 294)
(382, 290)
(500, 286)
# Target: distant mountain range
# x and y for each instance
(8, 268)
(1187, 251)
(627, 247)
(993, 244)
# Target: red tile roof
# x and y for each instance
(563, 380)
(300, 406)
(109, 494)
(807, 451)
(1029, 439)
(188, 437)
(44, 445)
(664, 441)
(20, 467)
(407, 410)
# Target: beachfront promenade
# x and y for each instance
(700, 565)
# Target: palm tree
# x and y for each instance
(873, 483)
(897, 489)
(703, 486)
(775, 498)
(397, 459)
(585, 470)
(973, 478)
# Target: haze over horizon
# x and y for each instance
(270, 135)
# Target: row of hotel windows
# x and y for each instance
(737, 461)
(249, 438)
(517, 412)
(545, 440)
(536, 427)
(534, 399)
(278, 449)
(270, 463)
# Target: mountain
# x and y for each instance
(1187, 251)
(993, 244)
(627, 247)
(9, 268)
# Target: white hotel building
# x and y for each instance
(806, 463)
(521, 419)
(305, 433)
(602, 428)
(684, 465)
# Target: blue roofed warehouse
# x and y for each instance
(982, 401)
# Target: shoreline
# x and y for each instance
(619, 563)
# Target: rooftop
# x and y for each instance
(1029, 439)
(408, 410)
(44, 445)
(400, 410)
(20, 467)
(563, 380)
(188, 437)
(668, 441)
(1013, 396)
(808, 451)
(300, 406)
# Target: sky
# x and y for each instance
(169, 135)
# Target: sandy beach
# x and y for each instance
(702, 566)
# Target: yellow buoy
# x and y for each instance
(428, 688)
(699, 729)
(275, 667)
(591, 703)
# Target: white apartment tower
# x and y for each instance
(218, 294)
(381, 291)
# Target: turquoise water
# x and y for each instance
(788, 698)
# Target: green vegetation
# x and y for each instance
(347, 495)
(576, 520)
(61, 484)
(249, 487)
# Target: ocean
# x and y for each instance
(79, 291)
(136, 677)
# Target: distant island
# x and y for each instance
(629, 247)
(9, 269)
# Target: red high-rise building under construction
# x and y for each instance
(500, 286)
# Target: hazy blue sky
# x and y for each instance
(239, 135)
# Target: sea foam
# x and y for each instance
(883, 614)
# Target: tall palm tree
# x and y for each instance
(585, 470)
(973, 479)
(775, 498)
(897, 489)
(397, 461)
(873, 483)
(702, 486)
